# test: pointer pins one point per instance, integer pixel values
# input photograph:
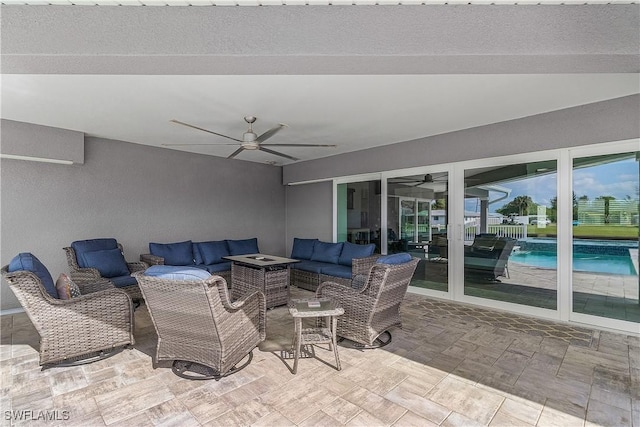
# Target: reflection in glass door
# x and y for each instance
(510, 233)
(417, 223)
(605, 236)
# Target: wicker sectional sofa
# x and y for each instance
(204, 255)
(328, 262)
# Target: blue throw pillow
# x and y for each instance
(28, 262)
(351, 251)
(212, 252)
(91, 245)
(400, 258)
(110, 262)
(243, 247)
(302, 248)
(177, 273)
(326, 252)
(180, 253)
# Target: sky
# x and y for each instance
(618, 179)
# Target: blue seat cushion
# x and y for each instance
(217, 268)
(302, 248)
(179, 253)
(82, 246)
(123, 281)
(343, 271)
(109, 262)
(26, 261)
(351, 251)
(243, 247)
(177, 273)
(400, 258)
(197, 257)
(310, 266)
(326, 252)
(212, 252)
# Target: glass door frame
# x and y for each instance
(455, 228)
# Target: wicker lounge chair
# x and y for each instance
(86, 277)
(199, 328)
(370, 311)
(78, 330)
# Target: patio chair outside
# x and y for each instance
(74, 331)
(372, 310)
(199, 328)
(97, 260)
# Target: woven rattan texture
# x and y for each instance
(274, 284)
(79, 326)
(370, 311)
(196, 321)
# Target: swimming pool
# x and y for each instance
(591, 256)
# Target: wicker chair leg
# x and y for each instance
(84, 359)
(381, 340)
(196, 371)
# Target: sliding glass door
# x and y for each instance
(510, 234)
(605, 231)
(417, 223)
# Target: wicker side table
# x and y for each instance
(315, 307)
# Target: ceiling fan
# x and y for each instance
(250, 140)
(427, 179)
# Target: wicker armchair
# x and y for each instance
(199, 328)
(369, 312)
(89, 279)
(75, 331)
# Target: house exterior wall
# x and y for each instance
(137, 194)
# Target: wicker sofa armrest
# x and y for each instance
(137, 266)
(363, 265)
(83, 276)
(151, 259)
(89, 288)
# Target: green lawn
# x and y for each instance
(628, 232)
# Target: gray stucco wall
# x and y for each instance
(612, 120)
(309, 212)
(136, 194)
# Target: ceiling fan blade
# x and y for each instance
(204, 130)
(208, 143)
(266, 150)
(299, 145)
(235, 153)
(268, 134)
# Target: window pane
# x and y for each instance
(417, 223)
(510, 249)
(359, 213)
(605, 236)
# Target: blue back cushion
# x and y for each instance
(197, 257)
(351, 251)
(177, 273)
(27, 261)
(212, 252)
(82, 246)
(302, 248)
(400, 258)
(180, 253)
(109, 262)
(243, 247)
(326, 252)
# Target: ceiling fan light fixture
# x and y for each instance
(250, 145)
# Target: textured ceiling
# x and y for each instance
(357, 77)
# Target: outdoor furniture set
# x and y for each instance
(324, 261)
(205, 332)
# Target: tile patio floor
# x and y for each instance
(451, 365)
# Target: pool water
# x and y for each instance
(595, 263)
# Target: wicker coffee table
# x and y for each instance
(266, 273)
(315, 307)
